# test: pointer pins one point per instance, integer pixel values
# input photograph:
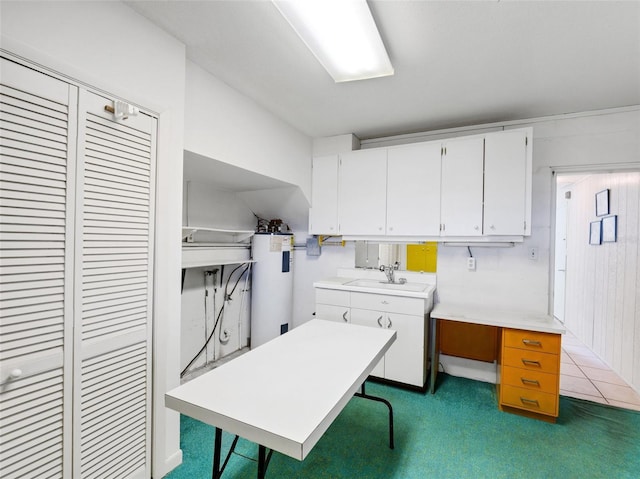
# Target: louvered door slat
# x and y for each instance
(97, 190)
(11, 117)
(14, 155)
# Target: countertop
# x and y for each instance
(528, 321)
(341, 283)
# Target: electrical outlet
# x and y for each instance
(471, 264)
(533, 254)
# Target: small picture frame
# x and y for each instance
(610, 229)
(595, 232)
(602, 203)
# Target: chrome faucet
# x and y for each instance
(389, 269)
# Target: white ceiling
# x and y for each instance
(456, 63)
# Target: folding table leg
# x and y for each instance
(262, 455)
(364, 395)
(216, 473)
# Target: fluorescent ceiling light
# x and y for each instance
(341, 34)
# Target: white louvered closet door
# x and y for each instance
(114, 215)
(37, 147)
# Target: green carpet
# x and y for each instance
(456, 433)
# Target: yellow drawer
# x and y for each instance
(529, 400)
(533, 380)
(531, 340)
(531, 360)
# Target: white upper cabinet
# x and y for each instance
(461, 194)
(323, 214)
(505, 173)
(468, 188)
(413, 190)
(362, 195)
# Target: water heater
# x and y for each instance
(271, 286)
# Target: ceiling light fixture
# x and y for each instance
(341, 34)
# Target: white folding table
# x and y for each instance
(286, 393)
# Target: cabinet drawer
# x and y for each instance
(332, 296)
(531, 360)
(527, 379)
(529, 400)
(387, 303)
(333, 313)
(532, 340)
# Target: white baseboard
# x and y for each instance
(173, 461)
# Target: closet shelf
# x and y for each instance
(226, 235)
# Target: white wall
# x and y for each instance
(308, 269)
(204, 205)
(603, 285)
(108, 46)
(222, 124)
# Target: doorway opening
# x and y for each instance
(595, 281)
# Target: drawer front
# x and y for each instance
(531, 360)
(527, 379)
(332, 296)
(529, 400)
(531, 340)
(333, 313)
(390, 304)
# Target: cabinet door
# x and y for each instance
(363, 192)
(113, 291)
(323, 214)
(38, 116)
(333, 313)
(461, 208)
(505, 158)
(405, 360)
(373, 319)
(413, 190)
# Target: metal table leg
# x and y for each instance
(362, 394)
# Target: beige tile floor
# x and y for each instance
(583, 375)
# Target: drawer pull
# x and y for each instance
(380, 321)
(529, 362)
(344, 316)
(529, 402)
(531, 382)
(531, 342)
(385, 302)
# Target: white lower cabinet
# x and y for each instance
(333, 305)
(367, 317)
(406, 360)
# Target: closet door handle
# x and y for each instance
(380, 321)
(344, 316)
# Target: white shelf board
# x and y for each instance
(235, 236)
